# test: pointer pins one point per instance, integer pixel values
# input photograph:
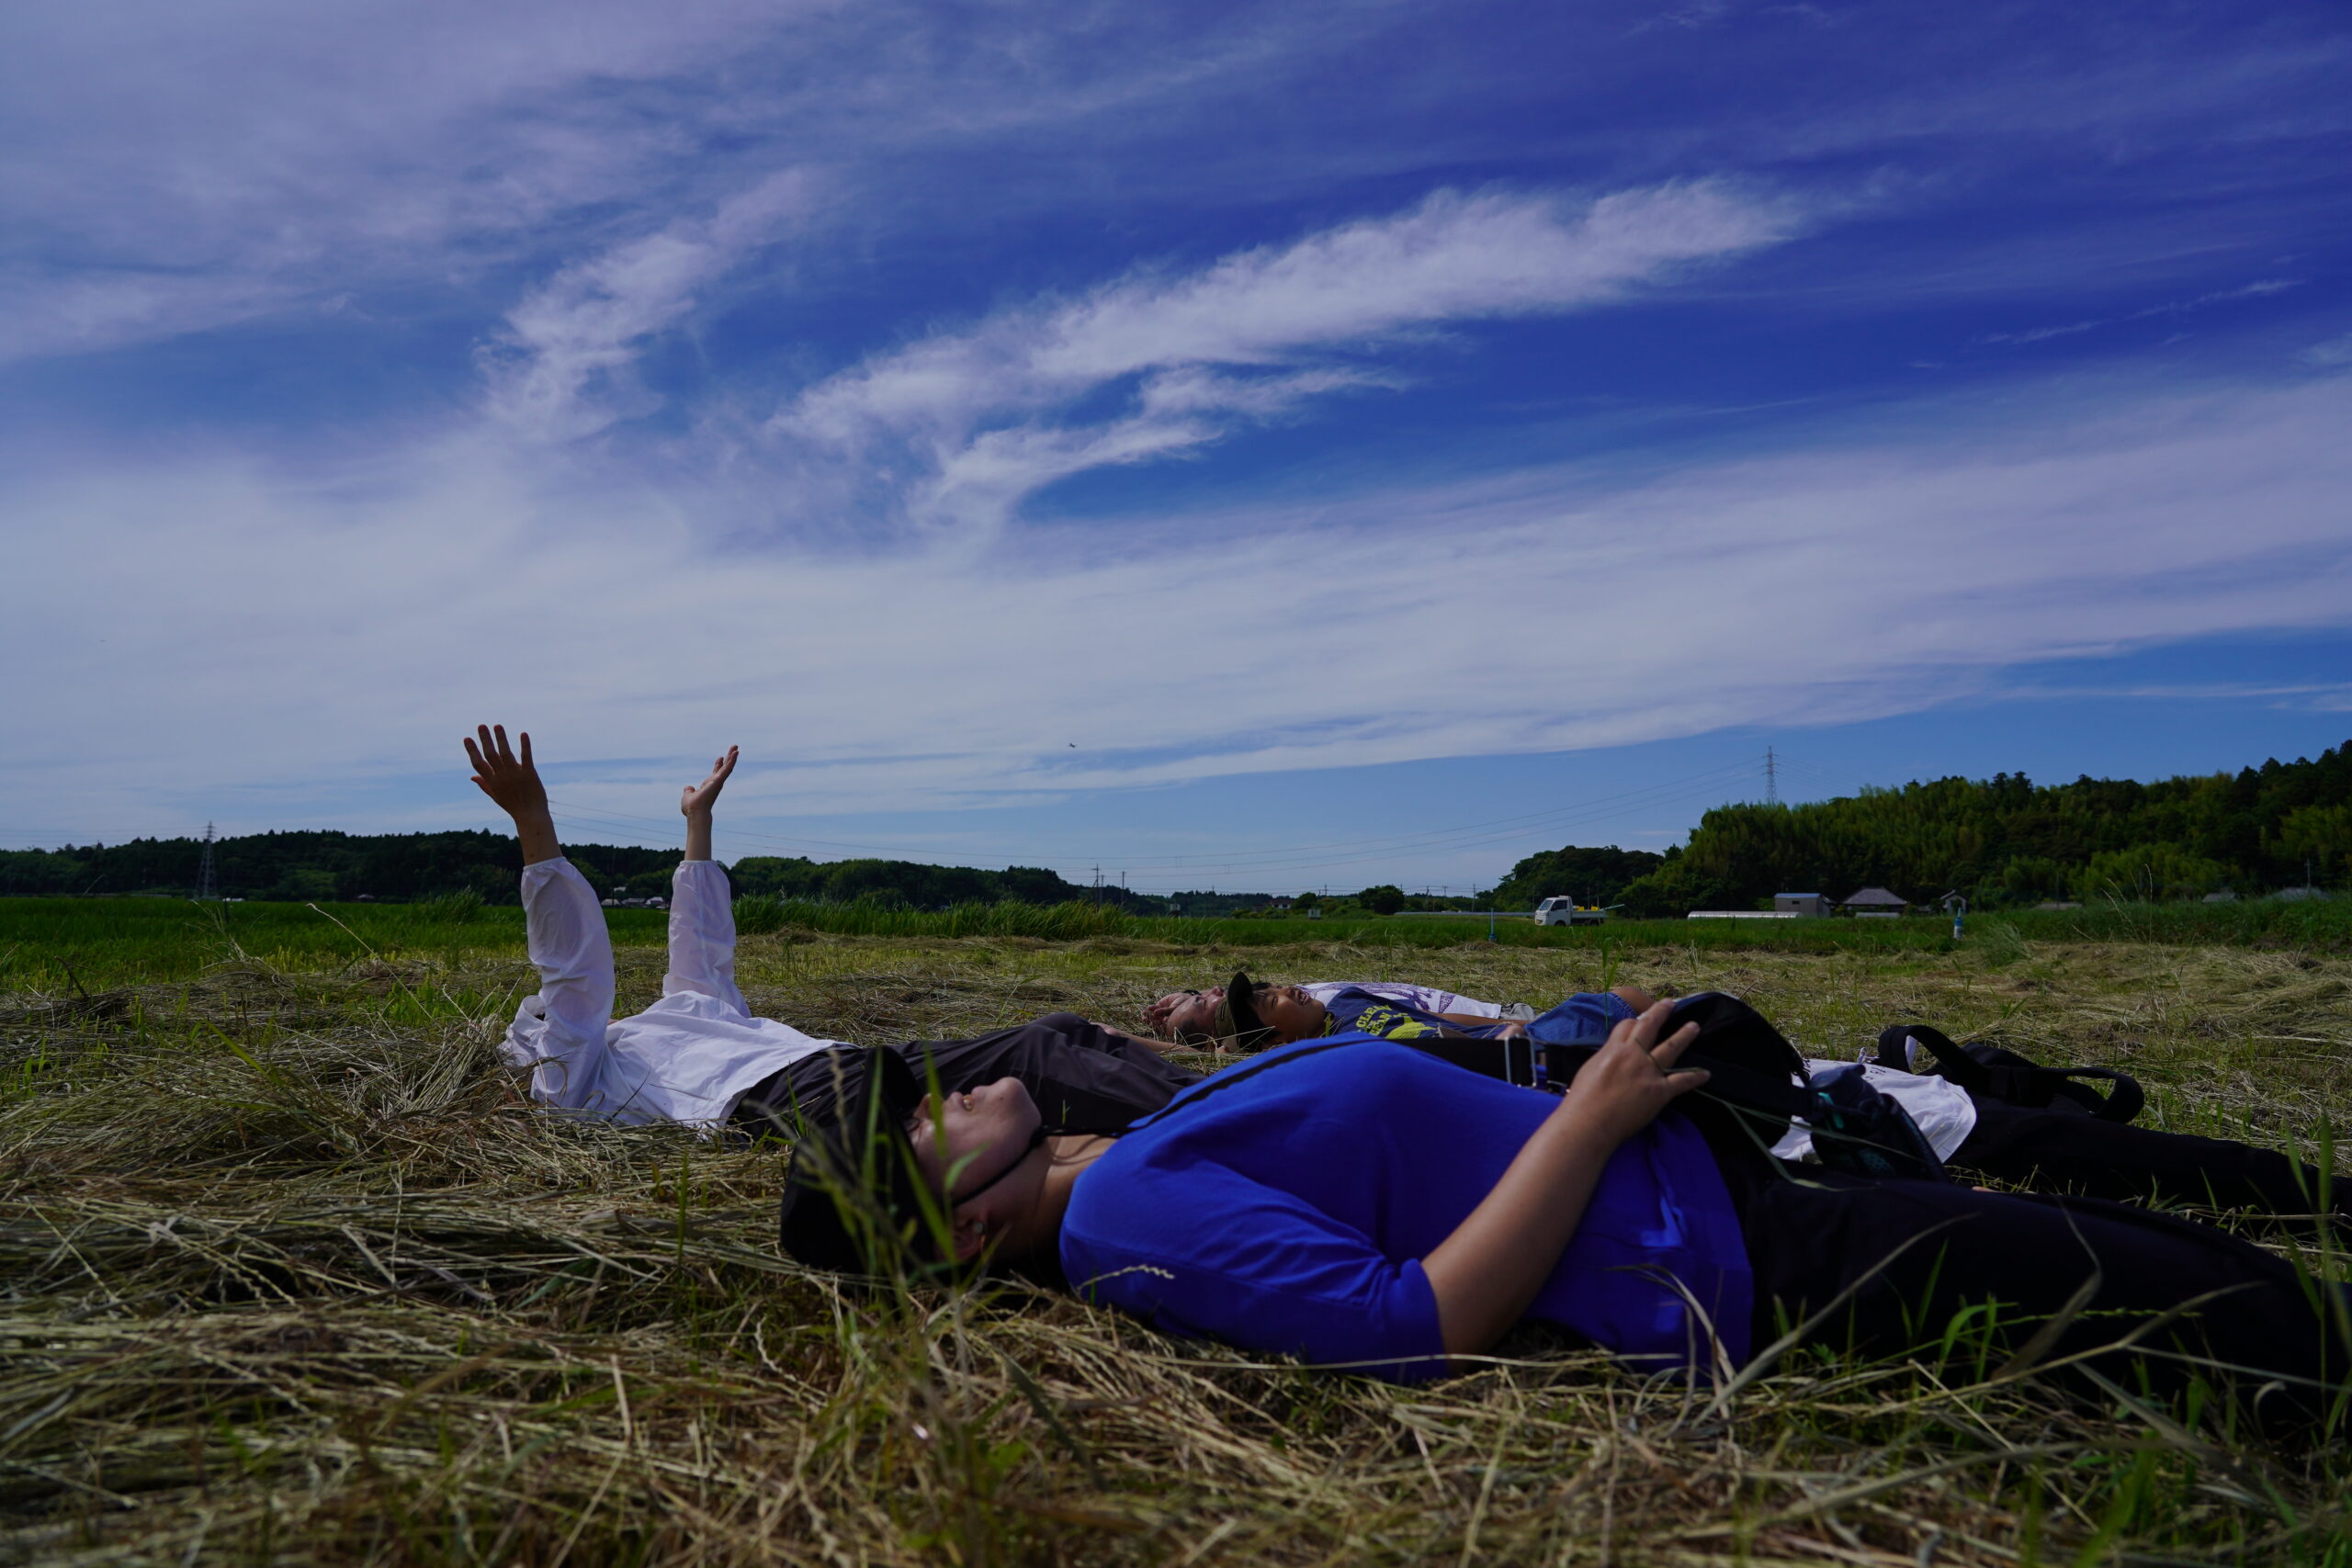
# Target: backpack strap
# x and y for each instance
(1993, 1073)
(2121, 1102)
(1896, 1049)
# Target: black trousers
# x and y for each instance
(2108, 1159)
(1084, 1078)
(1811, 1233)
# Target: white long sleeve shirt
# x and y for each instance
(689, 1057)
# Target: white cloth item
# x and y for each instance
(1425, 997)
(689, 1057)
(1943, 1111)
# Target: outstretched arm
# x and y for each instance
(514, 783)
(1487, 1272)
(559, 1033)
(697, 802)
(702, 922)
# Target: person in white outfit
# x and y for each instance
(699, 1056)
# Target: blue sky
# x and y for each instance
(1241, 445)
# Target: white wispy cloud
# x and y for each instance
(199, 168)
(984, 412)
(2335, 351)
(2258, 289)
(559, 368)
(347, 627)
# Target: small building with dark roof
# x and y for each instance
(1875, 901)
(1810, 906)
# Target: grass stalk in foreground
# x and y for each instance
(287, 1273)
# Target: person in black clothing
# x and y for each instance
(1353, 1202)
(1083, 1077)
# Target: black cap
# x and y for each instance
(852, 1204)
(1238, 1026)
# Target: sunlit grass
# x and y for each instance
(288, 1272)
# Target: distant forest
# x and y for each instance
(2001, 841)
(400, 867)
(910, 883)
(2006, 841)
(1598, 877)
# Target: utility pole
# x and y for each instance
(205, 886)
(1771, 777)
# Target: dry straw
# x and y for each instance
(290, 1274)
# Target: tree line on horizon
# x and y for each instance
(325, 866)
(1999, 842)
(2002, 841)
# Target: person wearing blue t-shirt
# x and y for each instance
(1357, 1203)
(2054, 1148)
(1246, 1016)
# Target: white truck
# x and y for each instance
(1567, 912)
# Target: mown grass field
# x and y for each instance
(288, 1272)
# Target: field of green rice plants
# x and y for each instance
(289, 1272)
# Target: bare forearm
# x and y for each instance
(536, 828)
(697, 835)
(1487, 1272)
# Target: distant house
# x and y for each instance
(1875, 901)
(1810, 906)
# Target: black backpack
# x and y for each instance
(1855, 1128)
(1754, 1068)
(1995, 1072)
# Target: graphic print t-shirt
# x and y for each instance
(1352, 1009)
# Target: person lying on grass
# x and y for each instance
(2056, 1148)
(699, 1056)
(1198, 1019)
(1358, 1204)
(1189, 1016)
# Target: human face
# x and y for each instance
(1290, 1013)
(1180, 1015)
(973, 1135)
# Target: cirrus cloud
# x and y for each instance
(985, 415)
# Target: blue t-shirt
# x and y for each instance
(1289, 1212)
(1358, 1011)
(1584, 1017)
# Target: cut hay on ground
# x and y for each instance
(287, 1273)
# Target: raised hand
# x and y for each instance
(514, 783)
(696, 800)
(507, 779)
